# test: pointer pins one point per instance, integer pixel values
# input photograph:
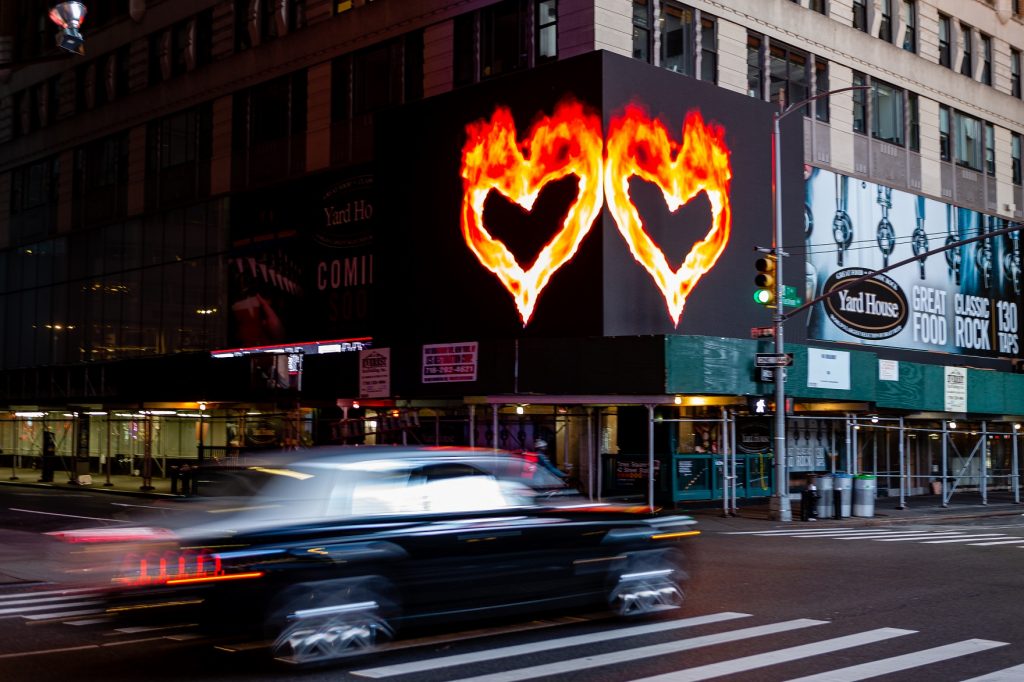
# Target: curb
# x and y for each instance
(90, 488)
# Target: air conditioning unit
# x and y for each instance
(1009, 208)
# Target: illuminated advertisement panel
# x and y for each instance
(965, 300)
(595, 196)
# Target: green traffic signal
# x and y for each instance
(765, 281)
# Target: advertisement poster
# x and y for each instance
(964, 301)
(955, 393)
(375, 373)
(449, 362)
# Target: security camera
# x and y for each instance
(69, 16)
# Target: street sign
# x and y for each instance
(766, 375)
(773, 359)
(762, 332)
(790, 297)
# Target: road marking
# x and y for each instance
(1019, 541)
(70, 516)
(963, 538)
(951, 534)
(22, 595)
(904, 662)
(548, 645)
(738, 665)
(809, 531)
(629, 655)
(42, 607)
(41, 600)
(1014, 674)
(58, 616)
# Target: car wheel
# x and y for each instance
(329, 620)
(650, 583)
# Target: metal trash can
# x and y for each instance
(842, 488)
(864, 488)
(824, 484)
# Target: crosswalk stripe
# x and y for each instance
(964, 538)
(934, 535)
(66, 594)
(808, 531)
(42, 607)
(1019, 541)
(33, 600)
(1014, 674)
(904, 662)
(548, 645)
(628, 655)
(738, 665)
(65, 614)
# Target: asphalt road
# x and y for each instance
(902, 602)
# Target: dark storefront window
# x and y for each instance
(966, 66)
(100, 181)
(678, 39)
(860, 15)
(945, 152)
(1015, 73)
(34, 200)
(914, 121)
(1015, 164)
(860, 105)
(821, 106)
(986, 60)
(990, 149)
(269, 126)
(178, 152)
(708, 49)
(969, 142)
(885, 26)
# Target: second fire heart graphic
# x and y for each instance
(569, 142)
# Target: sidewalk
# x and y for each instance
(754, 514)
(62, 480)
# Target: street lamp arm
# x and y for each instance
(907, 261)
(797, 105)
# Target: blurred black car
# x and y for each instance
(328, 553)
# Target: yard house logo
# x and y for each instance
(570, 142)
(875, 308)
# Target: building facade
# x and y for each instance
(231, 205)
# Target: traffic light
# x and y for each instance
(765, 281)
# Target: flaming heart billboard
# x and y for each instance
(596, 196)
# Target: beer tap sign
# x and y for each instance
(971, 307)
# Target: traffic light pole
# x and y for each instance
(779, 507)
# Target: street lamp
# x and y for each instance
(69, 16)
(779, 508)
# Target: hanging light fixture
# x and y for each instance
(69, 16)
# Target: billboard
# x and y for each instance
(965, 300)
(595, 196)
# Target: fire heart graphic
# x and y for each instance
(638, 145)
(569, 142)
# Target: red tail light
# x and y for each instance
(120, 534)
(176, 567)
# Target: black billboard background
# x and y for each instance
(433, 287)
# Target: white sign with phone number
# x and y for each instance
(449, 362)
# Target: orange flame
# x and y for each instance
(638, 145)
(569, 142)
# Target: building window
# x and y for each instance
(1015, 168)
(885, 28)
(100, 181)
(755, 66)
(887, 113)
(860, 15)
(990, 149)
(945, 49)
(966, 66)
(503, 44)
(914, 122)
(268, 130)
(464, 50)
(547, 30)
(860, 105)
(945, 153)
(34, 200)
(1015, 72)
(910, 23)
(970, 148)
(821, 105)
(642, 30)
(178, 152)
(986, 56)
(818, 6)
(788, 73)
(678, 39)
(708, 49)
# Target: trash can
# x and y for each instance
(824, 484)
(842, 488)
(864, 488)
